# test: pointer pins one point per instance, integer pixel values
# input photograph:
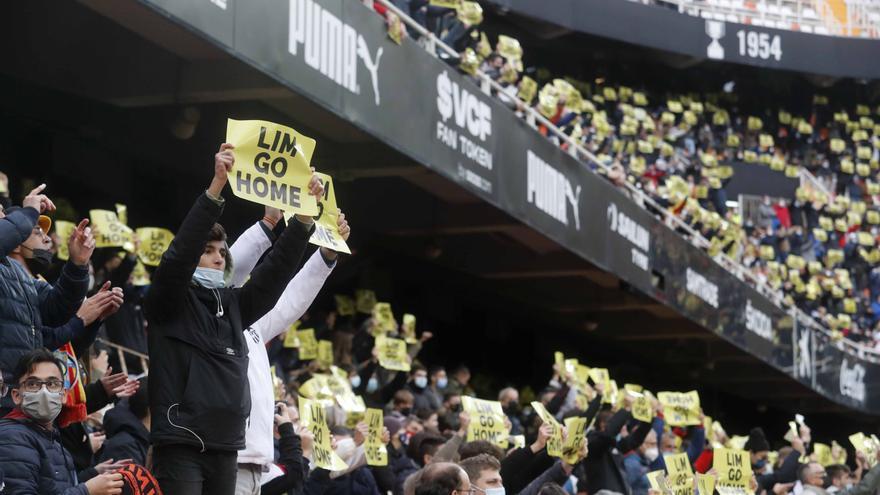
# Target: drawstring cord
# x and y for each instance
(168, 415)
(220, 311)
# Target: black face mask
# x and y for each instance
(512, 409)
(40, 262)
(406, 411)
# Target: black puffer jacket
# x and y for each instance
(199, 391)
(127, 437)
(33, 460)
(32, 310)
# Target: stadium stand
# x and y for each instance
(818, 253)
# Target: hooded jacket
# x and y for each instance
(198, 389)
(296, 299)
(32, 311)
(127, 437)
(604, 463)
(33, 459)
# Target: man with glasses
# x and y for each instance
(31, 455)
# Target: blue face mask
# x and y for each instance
(442, 382)
(355, 381)
(421, 381)
(209, 278)
(372, 385)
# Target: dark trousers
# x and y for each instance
(183, 470)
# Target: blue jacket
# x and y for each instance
(636, 468)
(34, 461)
(33, 312)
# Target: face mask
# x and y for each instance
(442, 382)
(405, 411)
(209, 278)
(345, 448)
(421, 381)
(512, 408)
(42, 406)
(40, 262)
(372, 385)
(759, 465)
(493, 491)
(355, 381)
(652, 454)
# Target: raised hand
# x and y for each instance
(81, 243)
(224, 160)
(38, 201)
(104, 301)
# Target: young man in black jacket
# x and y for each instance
(199, 396)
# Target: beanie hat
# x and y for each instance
(757, 441)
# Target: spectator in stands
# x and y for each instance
(814, 479)
(198, 355)
(509, 400)
(423, 398)
(444, 478)
(402, 405)
(31, 455)
(28, 303)
(604, 463)
(458, 384)
(127, 426)
(637, 464)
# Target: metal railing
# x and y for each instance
(122, 351)
(532, 116)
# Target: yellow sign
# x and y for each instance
(326, 228)
(108, 230)
(642, 410)
(291, 340)
(705, 484)
(344, 305)
(313, 417)
(374, 449)
(657, 480)
(392, 353)
(449, 4)
(122, 213)
(325, 354)
(154, 241)
(680, 475)
(409, 328)
(272, 165)
(139, 276)
(734, 470)
(487, 421)
(555, 442)
(823, 454)
(366, 299)
(64, 230)
(601, 375)
(383, 319)
(574, 442)
(308, 346)
(680, 409)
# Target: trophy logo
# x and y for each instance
(715, 31)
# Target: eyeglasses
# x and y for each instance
(34, 385)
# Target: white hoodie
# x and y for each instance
(296, 299)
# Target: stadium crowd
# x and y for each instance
(241, 398)
(817, 252)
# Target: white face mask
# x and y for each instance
(652, 454)
(345, 448)
(493, 491)
(355, 381)
(209, 278)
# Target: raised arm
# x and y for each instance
(250, 246)
(268, 281)
(172, 277)
(296, 298)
